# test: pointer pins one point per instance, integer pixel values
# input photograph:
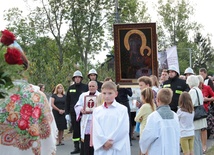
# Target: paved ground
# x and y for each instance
(68, 147)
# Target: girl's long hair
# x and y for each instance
(185, 102)
(148, 96)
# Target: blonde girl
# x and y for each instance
(147, 108)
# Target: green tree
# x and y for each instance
(174, 17)
(133, 11)
(175, 26)
(204, 53)
(87, 20)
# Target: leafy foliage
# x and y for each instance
(204, 54)
(174, 28)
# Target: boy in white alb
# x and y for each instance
(110, 124)
(161, 135)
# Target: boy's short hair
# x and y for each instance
(108, 79)
(165, 70)
(203, 70)
(145, 79)
(165, 95)
(109, 85)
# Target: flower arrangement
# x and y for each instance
(13, 55)
(7, 38)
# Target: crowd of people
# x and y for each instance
(165, 115)
(100, 113)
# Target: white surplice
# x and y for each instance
(160, 136)
(111, 123)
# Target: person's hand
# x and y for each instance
(68, 118)
(138, 104)
(140, 119)
(206, 99)
(61, 111)
(83, 111)
(108, 145)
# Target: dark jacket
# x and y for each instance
(210, 83)
(73, 93)
(178, 86)
(122, 96)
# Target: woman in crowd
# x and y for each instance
(41, 87)
(197, 96)
(208, 95)
(58, 105)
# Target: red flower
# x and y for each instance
(26, 111)
(23, 124)
(13, 56)
(25, 117)
(15, 97)
(7, 37)
(36, 112)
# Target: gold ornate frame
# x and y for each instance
(135, 48)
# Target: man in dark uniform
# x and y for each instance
(92, 75)
(177, 85)
(122, 98)
(73, 93)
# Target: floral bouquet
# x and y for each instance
(14, 55)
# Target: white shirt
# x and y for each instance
(111, 123)
(186, 123)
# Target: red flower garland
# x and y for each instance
(7, 37)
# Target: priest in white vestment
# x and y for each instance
(86, 102)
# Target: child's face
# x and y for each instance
(142, 98)
(142, 85)
(108, 95)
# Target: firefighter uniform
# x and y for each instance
(73, 93)
(177, 85)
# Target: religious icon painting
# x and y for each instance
(135, 52)
(90, 103)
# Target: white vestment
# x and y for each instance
(160, 136)
(111, 123)
(85, 117)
